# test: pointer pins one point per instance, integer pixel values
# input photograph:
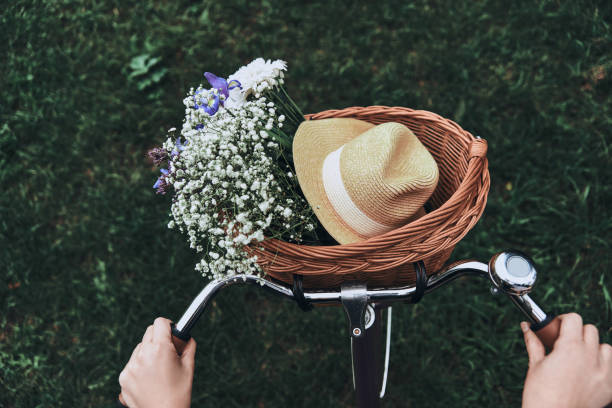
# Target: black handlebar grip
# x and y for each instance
(547, 330)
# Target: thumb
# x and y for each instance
(535, 348)
(188, 356)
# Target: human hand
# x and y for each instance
(156, 376)
(577, 373)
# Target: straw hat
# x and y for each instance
(362, 180)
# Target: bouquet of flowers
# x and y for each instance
(231, 171)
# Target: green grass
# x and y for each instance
(87, 261)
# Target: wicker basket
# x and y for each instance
(386, 260)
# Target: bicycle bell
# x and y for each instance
(512, 272)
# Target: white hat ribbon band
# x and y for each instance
(342, 203)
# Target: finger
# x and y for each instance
(135, 354)
(125, 381)
(571, 327)
(162, 331)
(591, 336)
(139, 352)
(535, 348)
(128, 401)
(122, 400)
(188, 356)
(148, 335)
(122, 377)
(605, 355)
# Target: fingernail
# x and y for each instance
(524, 327)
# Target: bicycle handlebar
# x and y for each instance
(532, 311)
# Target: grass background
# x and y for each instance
(87, 261)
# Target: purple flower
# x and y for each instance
(199, 126)
(199, 99)
(221, 84)
(181, 145)
(213, 103)
(209, 101)
(158, 182)
(157, 155)
(160, 185)
(178, 147)
(234, 83)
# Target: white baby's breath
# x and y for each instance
(230, 188)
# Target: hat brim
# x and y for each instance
(313, 142)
